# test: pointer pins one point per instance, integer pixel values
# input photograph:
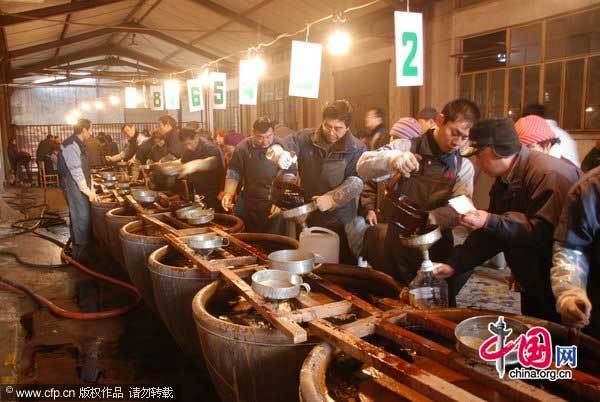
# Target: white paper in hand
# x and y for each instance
(462, 204)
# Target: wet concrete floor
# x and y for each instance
(37, 347)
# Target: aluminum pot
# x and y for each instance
(294, 261)
(275, 284)
(205, 243)
(144, 196)
(184, 213)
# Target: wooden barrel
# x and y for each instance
(115, 219)
(231, 223)
(320, 382)
(99, 209)
(258, 364)
(174, 286)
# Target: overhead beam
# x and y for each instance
(53, 11)
(109, 61)
(139, 20)
(132, 27)
(239, 18)
(94, 52)
(220, 27)
(128, 17)
(63, 33)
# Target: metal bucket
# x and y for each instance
(99, 209)
(115, 219)
(257, 364)
(174, 287)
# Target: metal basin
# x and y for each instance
(184, 213)
(205, 243)
(424, 240)
(144, 196)
(108, 176)
(472, 332)
(294, 261)
(275, 284)
(201, 217)
(300, 211)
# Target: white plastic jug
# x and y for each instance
(324, 243)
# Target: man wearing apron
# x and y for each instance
(432, 173)
(75, 179)
(327, 160)
(250, 166)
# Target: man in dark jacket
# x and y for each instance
(203, 163)
(576, 257)
(130, 148)
(378, 134)
(442, 174)
(327, 160)
(94, 152)
(167, 125)
(526, 201)
(250, 167)
(44, 148)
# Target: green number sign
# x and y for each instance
(408, 69)
(196, 96)
(409, 48)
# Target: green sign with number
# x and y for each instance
(156, 97)
(218, 89)
(195, 95)
(409, 48)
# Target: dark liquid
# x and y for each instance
(406, 214)
(287, 195)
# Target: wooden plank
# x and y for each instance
(515, 390)
(406, 393)
(53, 11)
(391, 365)
(119, 199)
(176, 223)
(322, 311)
(428, 320)
(366, 326)
(161, 225)
(337, 290)
(233, 261)
(243, 245)
(138, 208)
(293, 331)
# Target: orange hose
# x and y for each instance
(79, 315)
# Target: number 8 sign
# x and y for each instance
(409, 48)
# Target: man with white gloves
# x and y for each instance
(432, 171)
(575, 276)
(326, 159)
(250, 168)
(75, 180)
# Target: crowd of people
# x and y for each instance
(541, 214)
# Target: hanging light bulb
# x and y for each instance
(75, 113)
(205, 78)
(71, 119)
(114, 100)
(85, 106)
(99, 105)
(260, 65)
(339, 42)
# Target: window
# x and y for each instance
(573, 35)
(484, 52)
(592, 105)
(565, 77)
(552, 84)
(525, 45)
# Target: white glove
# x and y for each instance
(227, 202)
(575, 310)
(324, 202)
(286, 160)
(406, 163)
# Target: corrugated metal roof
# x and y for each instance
(185, 20)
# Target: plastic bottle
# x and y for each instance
(427, 291)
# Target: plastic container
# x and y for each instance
(322, 242)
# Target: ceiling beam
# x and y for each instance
(93, 74)
(128, 17)
(239, 18)
(94, 52)
(53, 11)
(109, 61)
(220, 27)
(132, 27)
(139, 20)
(63, 33)
(58, 43)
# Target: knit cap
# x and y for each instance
(407, 128)
(533, 129)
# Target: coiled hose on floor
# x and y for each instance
(50, 220)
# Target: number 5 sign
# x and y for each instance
(218, 90)
(409, 48)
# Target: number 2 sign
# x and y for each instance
(409, 48)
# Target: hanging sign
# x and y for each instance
(409, 48)
(171, 94)
(157, 98)
(218, 90)
(305, 69)
(194, 95)
(131, 99)
(248, 81)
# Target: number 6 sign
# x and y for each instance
(409, 48)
